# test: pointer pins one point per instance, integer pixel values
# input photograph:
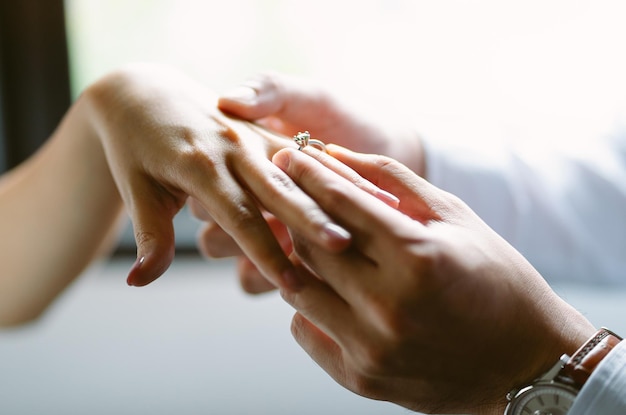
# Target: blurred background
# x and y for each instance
(192, 343)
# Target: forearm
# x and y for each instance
(57, 212)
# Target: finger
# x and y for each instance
(294, 101)
(237, 213)
(279, 195)
(251, 279)
(281, 233)
(151, 215)
(198, 211)
(214, 242)
(340, 270)
(422, 200)
(345, 171)
(322, 349)
(371, 222)
(321, 305)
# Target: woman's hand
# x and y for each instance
(428, 308)
(288, 105)
(166, 141)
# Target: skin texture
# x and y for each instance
(58, 211)
(428, 308)
(402, 293)
(196, 151)
(289, 105)
(149, 138)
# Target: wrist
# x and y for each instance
(563, 334)
(550, 340)
(556, 390)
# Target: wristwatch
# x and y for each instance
(555, 391)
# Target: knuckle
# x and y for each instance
(189, 157)
(452, 205)
(223, 132)
(420, 264)
(144, 237)
(336, 196)
(244, 216)
(302, 303)
(364, 385)
(290, 297)
(418, 256)
(297, 325)
(294, 299)
(395, 326)
(203, 241)
(394, 323)
(251, 279)
(249, 283)
(270, 81)
(285, 187)
(301, 247)
(195, 155)
(417, 263)
(198, 211)
(375, 360)
(387, 164)
(390, 356)
(208, 248)
(281, 185)
(199, 150)
(393, 320)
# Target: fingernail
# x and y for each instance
(282, 159)
(387, 197)
(242, 94)
(133, 270)
(333, 232)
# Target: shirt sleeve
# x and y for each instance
(603, 392)
(561, 203)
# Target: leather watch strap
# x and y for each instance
(584, 361)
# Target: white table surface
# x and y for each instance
(192, 343)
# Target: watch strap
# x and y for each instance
(582, 363)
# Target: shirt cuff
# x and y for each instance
(603, 392)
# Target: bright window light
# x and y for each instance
(532, 63)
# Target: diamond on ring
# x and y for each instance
(304, 139)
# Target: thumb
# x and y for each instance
(294, 101)
(254, 99)
(154, 235)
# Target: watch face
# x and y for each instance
(543, 400)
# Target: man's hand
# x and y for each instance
(429, 307)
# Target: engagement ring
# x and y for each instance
(304, 139)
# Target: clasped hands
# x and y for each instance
(427, 307)
(401, 292)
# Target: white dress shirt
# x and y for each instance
(604, 392)
(560, 202)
